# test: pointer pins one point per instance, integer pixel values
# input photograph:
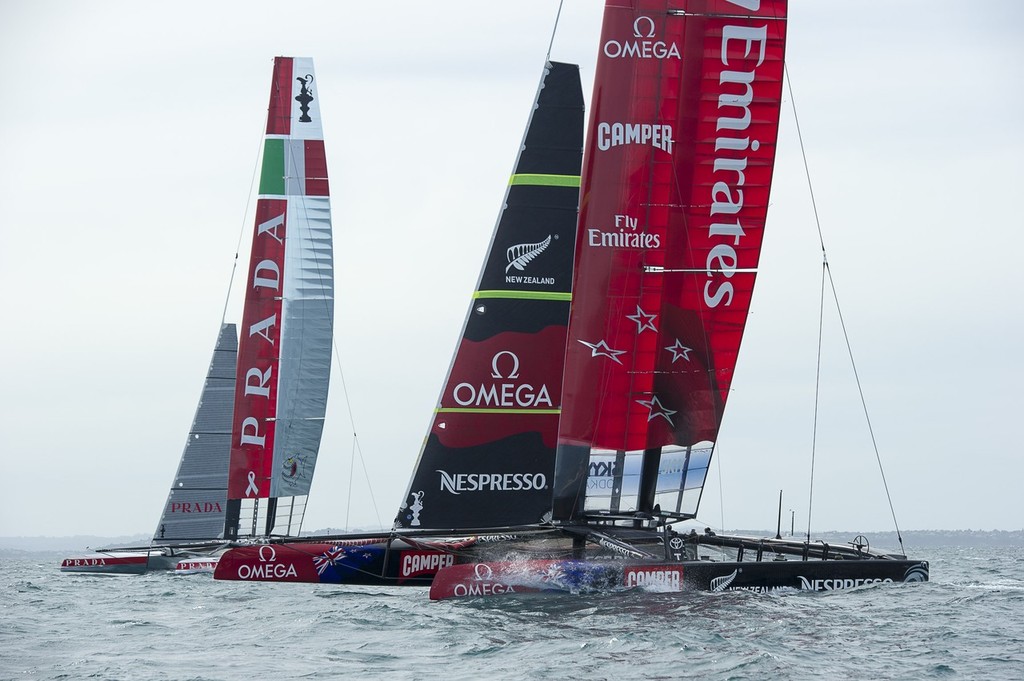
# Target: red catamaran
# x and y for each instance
(488, 460)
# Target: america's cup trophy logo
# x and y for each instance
(304, 97)
(411, 512)
(416, 507)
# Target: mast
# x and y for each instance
(488, 458)
(287, 324)
(677, 171)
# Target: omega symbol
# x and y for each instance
(496, 372)
(636, 27)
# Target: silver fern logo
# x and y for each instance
(917, 573)
(520, 255)
(722, 583)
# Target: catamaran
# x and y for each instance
(249, 458)
(483, 476)
(674, 197)
(568, 469)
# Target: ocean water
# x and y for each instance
(967, 623)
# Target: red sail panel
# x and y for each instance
(279, 114)
(488, 459)
(252, 440)
(675, 189)
(315, 157)
(502, 386)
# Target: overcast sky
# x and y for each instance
(130, 132)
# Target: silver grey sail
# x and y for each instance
(196, 503)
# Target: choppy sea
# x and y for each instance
(967, 623)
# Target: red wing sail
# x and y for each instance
(284, 354)
(675, 190)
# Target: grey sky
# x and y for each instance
(130, 133)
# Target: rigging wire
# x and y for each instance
(356, 449)
(238, 249)
(826, 271)
(721, 495)
(245, 221)
(817, 392)
(351, 474)
(554, 30)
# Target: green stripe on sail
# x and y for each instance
(272, 173)
(545, 180)
(480, 410)
(525, 295)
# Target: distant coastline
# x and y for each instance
(28, 547)
(914, 539)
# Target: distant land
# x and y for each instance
(27, 547)
(917, 539)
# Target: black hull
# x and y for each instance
(812, 575)
(598, 576)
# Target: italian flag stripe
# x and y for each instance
(272, 174)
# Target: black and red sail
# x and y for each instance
(488, 459)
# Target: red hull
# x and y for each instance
(100, 563)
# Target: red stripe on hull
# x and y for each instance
(104, 564)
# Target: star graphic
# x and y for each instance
(601, 349)
(657, 409)
(679, 350)
(643, 320)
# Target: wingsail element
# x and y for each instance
(677, 172)
(488, 460)
(284, 354)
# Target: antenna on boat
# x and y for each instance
(778, 526)
(826, 273)
(554, 30)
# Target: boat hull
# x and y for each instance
(581, 576)
(180, 560)
(107, 564)
(196, 566)
(375, 562)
